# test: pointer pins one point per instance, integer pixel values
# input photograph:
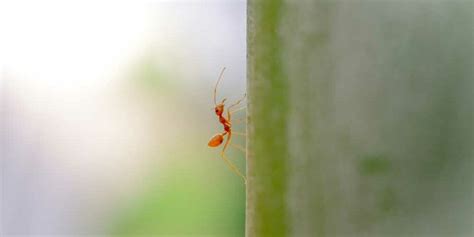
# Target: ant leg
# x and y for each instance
(239, 133)
(235, 104)
(238, 102)
(232, 166)
(238, 147)
(237, 110)
(238, 121)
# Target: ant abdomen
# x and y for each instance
(216, 140)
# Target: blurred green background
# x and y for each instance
(106, 114)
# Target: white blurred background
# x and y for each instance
(105, 115)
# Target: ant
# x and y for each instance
(218, 139)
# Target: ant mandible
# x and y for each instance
(218, 139)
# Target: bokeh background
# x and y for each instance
(106, 111)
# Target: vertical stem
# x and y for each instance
(267, 153)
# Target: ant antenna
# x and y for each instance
(217, 83)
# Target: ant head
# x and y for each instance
(219, 109)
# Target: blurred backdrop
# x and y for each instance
(106, 111)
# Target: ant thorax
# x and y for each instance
(223, 120)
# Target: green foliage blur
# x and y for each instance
(191, 192)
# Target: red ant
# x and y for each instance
(217, 139)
